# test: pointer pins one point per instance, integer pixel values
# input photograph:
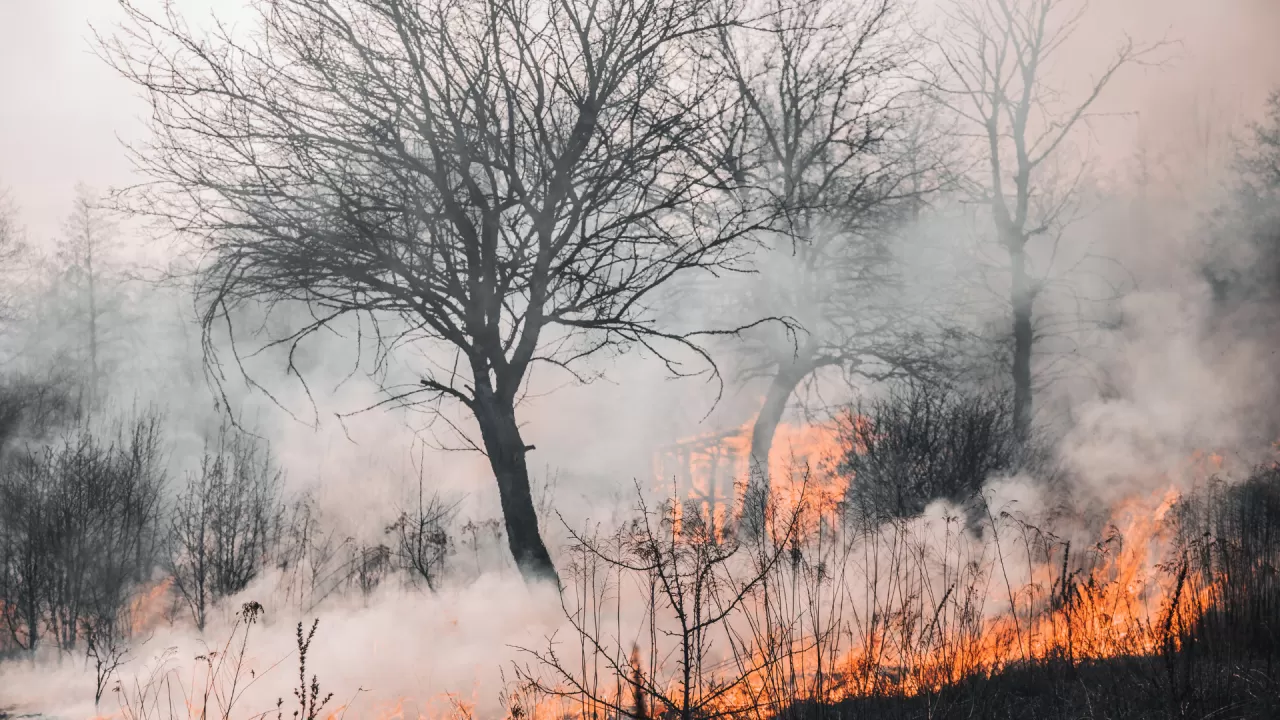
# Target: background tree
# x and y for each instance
(1243, 259)
(998, 59)
(822, 134)
(1242, 265)
(81, 252)
(509, 181)
(78, 315)
(13, 250)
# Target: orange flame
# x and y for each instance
(1116, 598)
(710, 472)
(149, 608)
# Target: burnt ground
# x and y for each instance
(1116, 689)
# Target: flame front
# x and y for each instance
(859, 609)
(913, 606)
(710, 472)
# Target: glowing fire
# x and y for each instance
(710, 472)
(1127, 594)
(149, 608)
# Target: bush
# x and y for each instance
(922, 443)
(421, 538)
(78, 534)
(225, 524)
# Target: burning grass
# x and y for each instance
(847, 611)
(1164, 605)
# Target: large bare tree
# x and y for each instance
(514, 181)
(822, 134)
(1002, 74)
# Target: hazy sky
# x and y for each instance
(61, 108)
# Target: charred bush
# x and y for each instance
(225, 523)
(922, 443)
(421, 538)
(78, 535)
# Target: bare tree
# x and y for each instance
(998, 57)
(508, 181)
(822, 133)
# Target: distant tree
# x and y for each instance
(13, 251)
(512, 182)
(997, 57)
(77, 314)
(82, 251)
(1243, 261)
(1242, 267)
(824, 133)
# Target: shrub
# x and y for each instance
(225, 523)
(922, 443)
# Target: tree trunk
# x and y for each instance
(784, 383)
(506, 451)
(93, 327)
(1022, 298)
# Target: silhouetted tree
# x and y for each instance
(513, 181)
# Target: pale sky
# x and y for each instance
(61, 108)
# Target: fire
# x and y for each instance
(710, 472)
(960, 607)
(911, 606)
(148, 609)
